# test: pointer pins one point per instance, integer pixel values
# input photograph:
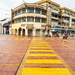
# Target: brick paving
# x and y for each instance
(15, 48)
(65, 49)
(12, 50)
(42, 60)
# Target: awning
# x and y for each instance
(56, 30)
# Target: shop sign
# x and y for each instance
(22, 24)
(43, 25)
(30, 26)
(57, 27)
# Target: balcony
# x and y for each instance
(55, 18)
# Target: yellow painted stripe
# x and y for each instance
(43, 61)
(42, 50)
(32, 54)
(46, 71)
(39, 45)
(22, 39)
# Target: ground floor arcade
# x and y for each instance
(28, 32)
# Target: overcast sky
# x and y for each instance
(7, 5)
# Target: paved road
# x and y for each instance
(40, 55)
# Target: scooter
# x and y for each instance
(65, 36)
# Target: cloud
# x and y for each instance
(11, 4)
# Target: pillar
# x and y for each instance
(13, 31)
(40, 32)
(21, 32)
(26, 32)
(34, 32)
(17, 32)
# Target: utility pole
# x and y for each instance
(48, 19)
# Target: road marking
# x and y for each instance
(40, 54)
(43, 61)
(46, 71)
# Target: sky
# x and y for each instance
(7, 5)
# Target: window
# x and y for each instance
(19, 11)
(52, 7)
(66, 12)
(44, 12)
(73, 15)
(44, 20)
(15, 13)
(55, 8)
(56, 23)
(37, 19)
(52, 23)
(30, 11)
(67, 24)
(37, 11)
(23, 11)
(52, 14)
(15, 21)
(30, 19)
(19, 20)
(23, 19)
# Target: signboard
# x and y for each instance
(22, 24)
(30, 26)
(66, 28)
(57, 27)
(43, 25)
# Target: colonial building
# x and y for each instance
(45, 15)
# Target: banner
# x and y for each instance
(30, 26)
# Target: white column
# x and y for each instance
(40, 20)
(21, 31)
(26, 32)
(34, 32)
(34, 10)
(10, 30)
(21, 11)
(70, 21)
(26, 19)
(40, 11)
(13, 32)
(34, 19)
(26, 10)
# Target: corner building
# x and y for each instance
(31, 19)
(28, 20)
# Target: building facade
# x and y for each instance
(32, 19)
(7, 28)
(29, 20)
